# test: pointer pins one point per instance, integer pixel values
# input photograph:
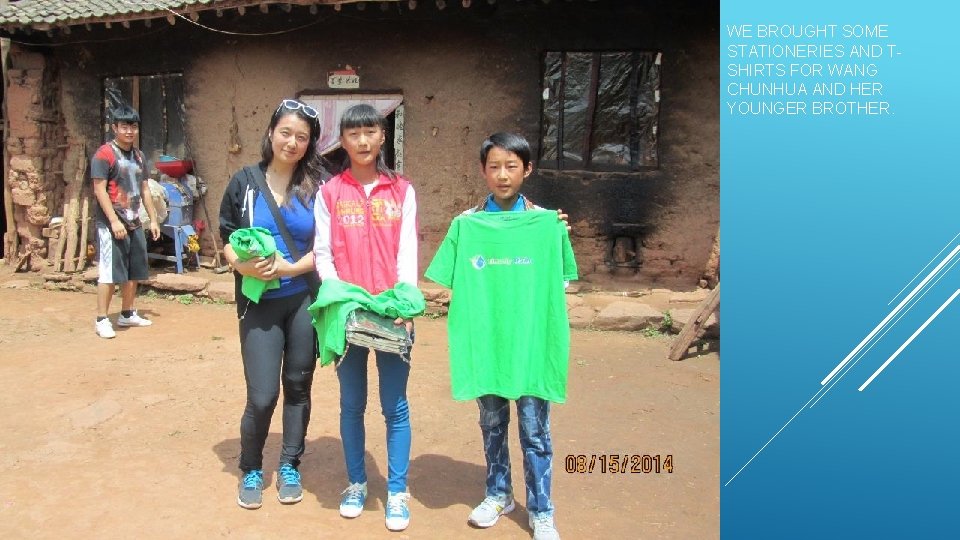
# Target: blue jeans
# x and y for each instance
(534, 417)
(393, 373)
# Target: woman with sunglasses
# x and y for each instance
(277, 342)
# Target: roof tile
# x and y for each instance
(36, 12)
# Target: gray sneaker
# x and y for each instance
(250, 492)
(543, 528)
(489, 511)
(289, 490)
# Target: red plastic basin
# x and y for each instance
(175, 169)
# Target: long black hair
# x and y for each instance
(364, 115)
(306, 178)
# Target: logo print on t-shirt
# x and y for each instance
(125, 191)
(478, 262)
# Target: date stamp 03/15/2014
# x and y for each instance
(618, 463)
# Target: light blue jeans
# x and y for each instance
(393, 373)
(534, 418)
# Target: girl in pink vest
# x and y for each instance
(367, 235)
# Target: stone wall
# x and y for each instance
(35, 147)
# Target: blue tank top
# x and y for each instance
(301, 224)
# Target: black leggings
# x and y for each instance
(278, 345)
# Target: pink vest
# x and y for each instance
(365, 231)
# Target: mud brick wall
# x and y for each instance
(35, 146)
(469, 80)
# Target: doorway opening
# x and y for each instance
(331, 106)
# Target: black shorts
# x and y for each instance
(122, 260)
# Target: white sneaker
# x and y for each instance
(543, 528)
(489, 511)
(354, 497)
(104, 329)
(397, 511)
(133, 320)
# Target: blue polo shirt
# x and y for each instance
(492, 205)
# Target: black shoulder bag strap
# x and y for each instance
(256, 174)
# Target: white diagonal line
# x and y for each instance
(924, 268)
(910, 339)
(900, 316)
(860, 353)
(772, 438)
(891, 315)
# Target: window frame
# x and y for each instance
(638, 83)
(128, 89)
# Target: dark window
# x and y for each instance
(600, 111)
(159, 100)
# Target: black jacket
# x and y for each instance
(237, 203)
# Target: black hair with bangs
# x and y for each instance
(364, 115)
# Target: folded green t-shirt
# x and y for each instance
(336, 299)
(252, 242)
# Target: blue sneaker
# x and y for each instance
(398, 513)
(351, 504)
(289, 490)
(250, 493)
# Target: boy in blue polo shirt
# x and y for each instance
(496, 262)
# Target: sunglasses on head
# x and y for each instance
(293, 105)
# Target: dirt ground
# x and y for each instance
(137, 437)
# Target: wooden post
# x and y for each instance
(70, 222)
(84, 225)
(12, 240)
(74, 191)
(61, 240)
(696, 323)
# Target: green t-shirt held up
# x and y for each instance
(508, 328)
